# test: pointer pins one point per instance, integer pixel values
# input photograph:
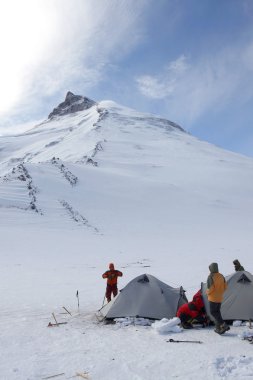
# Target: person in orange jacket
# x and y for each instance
(112, 279)
(216, 286)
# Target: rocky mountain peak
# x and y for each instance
(72, 103)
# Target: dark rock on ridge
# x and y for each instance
(71, 104)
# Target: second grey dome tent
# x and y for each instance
(238, 298)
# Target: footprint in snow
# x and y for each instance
(236, 367)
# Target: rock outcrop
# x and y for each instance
(71, 104)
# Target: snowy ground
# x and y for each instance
(31, 350)
(159, 202)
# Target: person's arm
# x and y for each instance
(105, 275)
(210, 285)
(120, 274)
(210, 290)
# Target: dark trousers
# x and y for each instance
(186, 318)
(215, 312)
(111, 289)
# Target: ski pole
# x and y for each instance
(183, 341)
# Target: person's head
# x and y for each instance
(213, 268)
(111, 266)
(236, 264)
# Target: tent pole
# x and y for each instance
(103, 301)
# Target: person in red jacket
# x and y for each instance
(194, 310)
(112, 279)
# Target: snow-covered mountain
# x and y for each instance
(122, 171)
(98, 182)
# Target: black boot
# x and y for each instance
(223, 328)
(186, 325)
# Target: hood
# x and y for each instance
(213, 268)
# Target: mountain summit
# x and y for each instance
(71, 104)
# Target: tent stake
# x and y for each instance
(66, 310)
(50, 377)
(77, 296)
(55, 318)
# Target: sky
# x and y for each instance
(189, 61)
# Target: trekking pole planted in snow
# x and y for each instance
(77, 296)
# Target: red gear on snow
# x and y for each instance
(192, 310)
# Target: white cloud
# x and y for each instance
(178, 66)
(24, 34)
(51, 46)
(191, 87)
(163, 85)
(153, 87)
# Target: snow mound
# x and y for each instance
(246, 334)
(237, 323)
(127, 321)
(165, 326)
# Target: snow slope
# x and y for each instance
(111, 184)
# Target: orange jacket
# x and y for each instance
(217, 289)
(112, 276)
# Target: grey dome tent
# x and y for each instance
(238, 298)
(147, 297)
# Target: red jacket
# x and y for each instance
(112, 276)
(194, 308)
